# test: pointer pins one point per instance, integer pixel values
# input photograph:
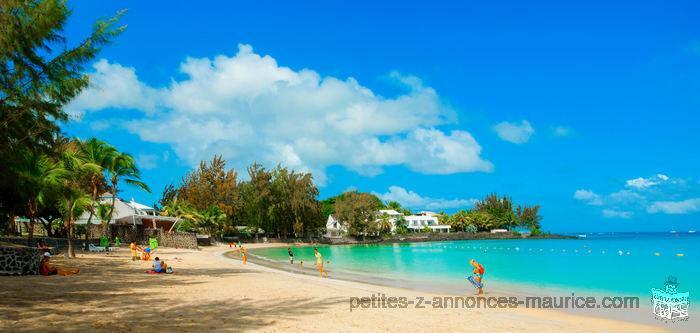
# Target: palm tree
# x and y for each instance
(211, 219)
(180, 210)
(73, 204)
(74, 200)
(38, 174)
(99, 153)
(123, 167)
(384, 223)
(394, 205)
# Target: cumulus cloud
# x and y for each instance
(247, 107)
(412, 199)
(616, 214)
(642, 183)
(517, 133)
(675, 207)
(589, 197)
(114, 86)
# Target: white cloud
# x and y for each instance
(561, 131)
(114, 86)
(642, 183)
(675, 207)
(412, 199)
(616, 214)
(147, 161)
(514, 132)
(249, 108)
(655, 194)
(589, 197)
(100, 125)
(625, 197)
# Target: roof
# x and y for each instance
(139, 206)
(390, 212)
(122, 209)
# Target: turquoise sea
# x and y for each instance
(618, 264)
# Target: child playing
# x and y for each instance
(476, 279)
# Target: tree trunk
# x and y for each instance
(69, 229)
(30, 237)
(105, 231)
(11, 226)
(71, 249)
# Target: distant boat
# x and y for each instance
(673, 231)
(691, 231)
(582, 236)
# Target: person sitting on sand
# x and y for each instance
(319, 262)
(291, 256)
(159, 266)
(41, 245)
(478, 275)
(46, 269)
(146, 254)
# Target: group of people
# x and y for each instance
(239, 249)
(138, 253)
(476, 279)
(319, 261)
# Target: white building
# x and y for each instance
(415, 223)
(421, 220)
(334, 228)
(130, 213)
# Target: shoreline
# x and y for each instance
(209, 292)
(642, 315)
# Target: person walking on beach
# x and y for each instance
(291, 256)
(244, 254)
(477, 278)
(319, 262)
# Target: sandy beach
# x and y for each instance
(209, 292)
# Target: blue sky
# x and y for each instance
(591, 109)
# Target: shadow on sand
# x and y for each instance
(116, 296)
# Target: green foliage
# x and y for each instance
(357, 211)
(384, 224)
(279, 201)
(40, 73)
(494, 212)
(470, 228)
(401, 226)
(426, 229)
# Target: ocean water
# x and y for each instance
(617, 264)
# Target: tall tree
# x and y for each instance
(211, 184)
(357, 211)
(74, 198)
(102, 154)
(40, 72)
(38, 175)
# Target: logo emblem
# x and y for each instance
(670, 305)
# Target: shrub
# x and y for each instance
(470, 228)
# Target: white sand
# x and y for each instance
(213, 293)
